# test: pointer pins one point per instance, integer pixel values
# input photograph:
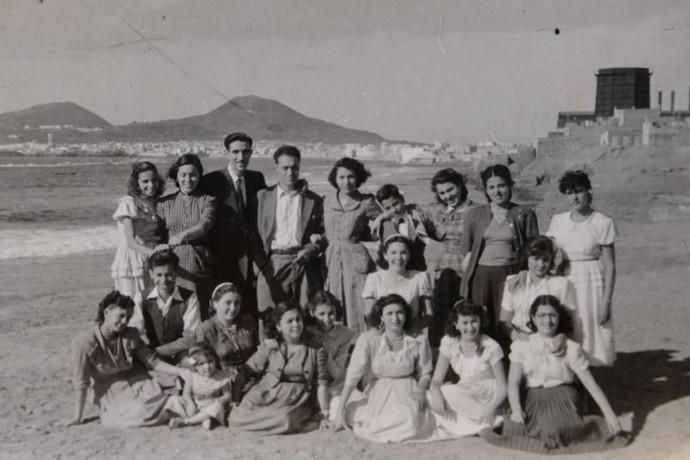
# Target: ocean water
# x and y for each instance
(53, 206)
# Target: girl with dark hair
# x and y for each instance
(395, 407)
(587, 237)
(347, 213)
(549, 419)
(140, 228)
(111, 360)
(293, 378)
(232, 334)
(466, 407)
(207, 391)
(395, 278)
(446, 218)
(521, 289)
(337, 339)
(189, 215)
(493, 237)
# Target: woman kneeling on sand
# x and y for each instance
(111, 359)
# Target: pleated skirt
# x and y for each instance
(554, 425)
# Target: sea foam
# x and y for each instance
(47, 243)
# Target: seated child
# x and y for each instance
(167, 315)
(338, 341)
(206, 393)
(402, 219)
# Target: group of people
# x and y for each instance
(260, 307)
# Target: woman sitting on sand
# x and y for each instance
(293, 375)
(111, 359)
(231, 334)
(399, 366)
(549, 419)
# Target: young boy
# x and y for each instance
(404, 219)
(167, 315)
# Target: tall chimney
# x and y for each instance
(673, 100)
(661, 98)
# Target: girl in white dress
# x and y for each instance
(395, 408)
(587, 237)
(411, 285)
(139, 227)
(466, 407)
(207, 391)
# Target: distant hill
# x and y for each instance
(263, 119)
(58, 113)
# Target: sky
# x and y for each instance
(436, 70)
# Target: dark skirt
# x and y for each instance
(487, 290)
(446, 293)
(554, 425)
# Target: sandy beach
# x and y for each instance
(46, 301)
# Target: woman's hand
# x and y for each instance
(339, 422)
(176, 239)
(488, 416)
(438, 403)
(161, 247)
(466, 262)
(605, 314)
(420, 396)
(614, 425)
(518, 417)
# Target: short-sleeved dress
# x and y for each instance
(412, 287)
(476, 389)
(553, 421)
(284, 400)
(390, 412)
(348, 261)
(234, 345)
(115, 370)
(181, 212)
(582, 242)
(206, 392)
(128, 270)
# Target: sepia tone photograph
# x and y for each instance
(344, 229)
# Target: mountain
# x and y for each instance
(262, 118)
(58, 113)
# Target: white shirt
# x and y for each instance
(191, 318)
(541, 367)
(520, 300)
(288, 216)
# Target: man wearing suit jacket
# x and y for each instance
(290, 224)
(235, 189)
